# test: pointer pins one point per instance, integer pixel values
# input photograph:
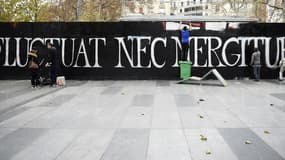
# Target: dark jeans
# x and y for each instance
(184, 53)
(35, 78)
(256, 71)
(52, 74)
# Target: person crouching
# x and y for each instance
(33, 67)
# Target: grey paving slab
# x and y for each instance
(262, 116)
(215, 143)
(258, 150)
(168, 144)
(14, 143)
(165, 114)
(280, 107)
(164, 101)
(137, 83)
(58, 100)
(12, 113)
(185, 101)
(143, 100)
(224, 119)
(20, 100)
(71, 90)
(139, 90)
(49, 120)
(48, 146)
(275, 138)
(250, 82)
(137, 117)
(163, 83)
(8, 92)
(279, 95)
(274, 82)
(211, 101)
(72, 83)
(89, 145)
(111, 91)
(90, 112)
(105, 83)
(194, 118)
(102, 101)
(128, 144)
(166, 119)
(103, 118)
(6, 131)
(23, 118)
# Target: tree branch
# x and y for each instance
(272, 6)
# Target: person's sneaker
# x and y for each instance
(33, 87)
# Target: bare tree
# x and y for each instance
(230, 7)
(78, 9)
(237, 5)
(21, 10)
(138, 4)
(273, 10)
(101, 10)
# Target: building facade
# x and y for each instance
(189, 7)
(264, 11)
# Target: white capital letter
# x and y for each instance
(96, 49)
(156, 40)
(84, 53)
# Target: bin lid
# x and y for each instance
(185, 62)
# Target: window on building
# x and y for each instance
(181, 3)
(181, 10)
(189, 9)
(194, 1)
(188, 3)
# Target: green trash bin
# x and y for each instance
(185, 69)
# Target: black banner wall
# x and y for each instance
(139, 50)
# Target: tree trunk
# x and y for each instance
(78, 9)
(283, 11)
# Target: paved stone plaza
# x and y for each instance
(143, 120)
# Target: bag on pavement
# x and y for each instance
(60, 81)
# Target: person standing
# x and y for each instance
(33, 67)
(282, 68)
(185, 34)
(256, 63)
(52, 63)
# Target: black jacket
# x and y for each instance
(52, 58)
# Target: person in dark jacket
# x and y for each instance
(52, 63)
(256, 64)
(185, 34)
(33, 67)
